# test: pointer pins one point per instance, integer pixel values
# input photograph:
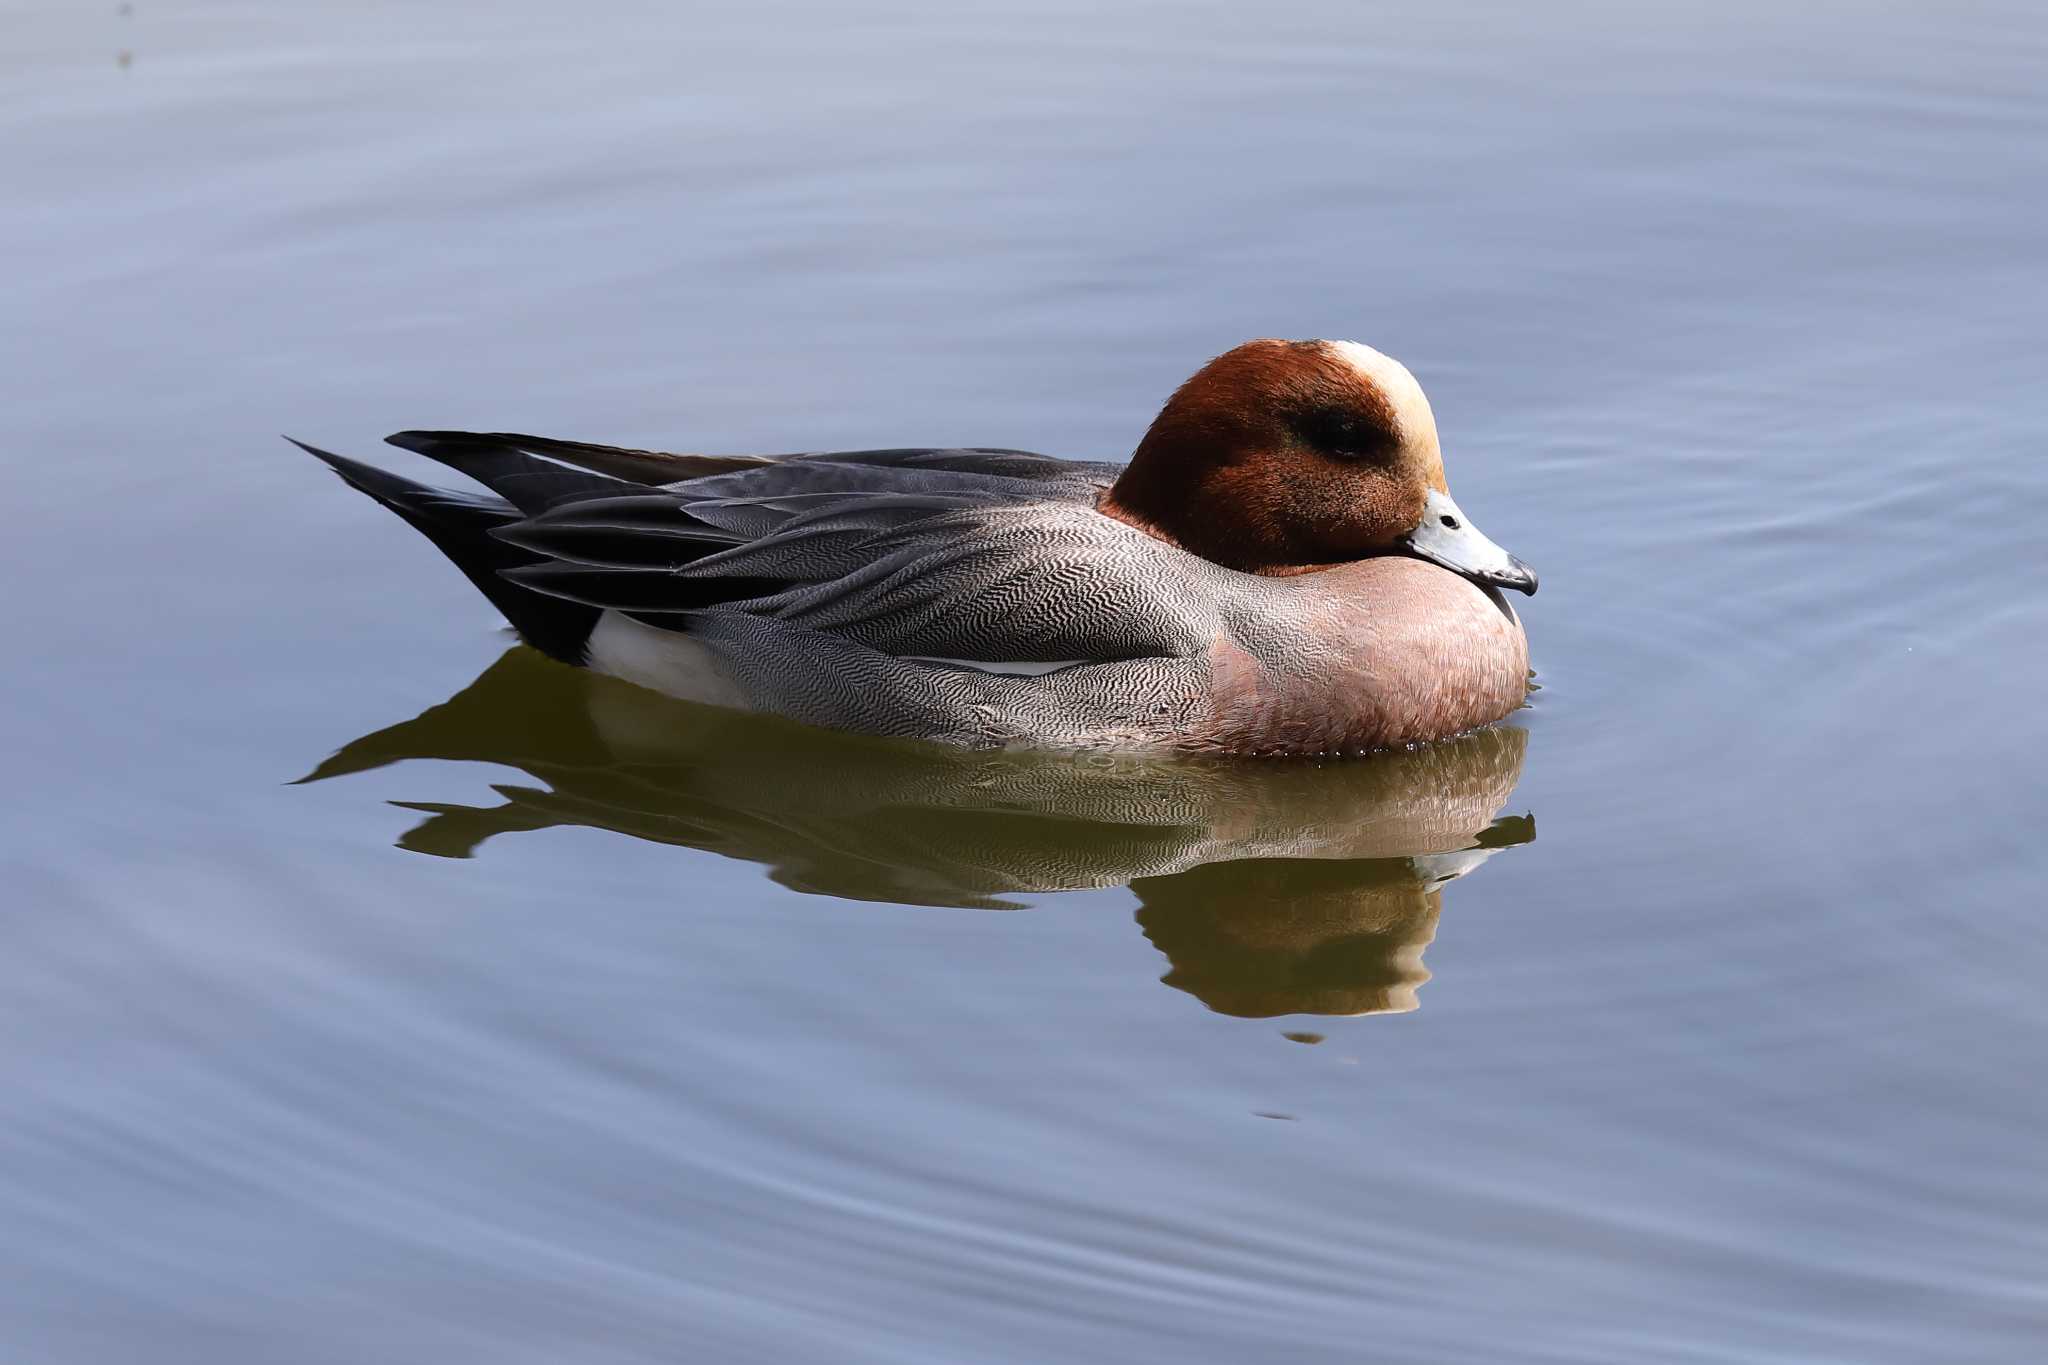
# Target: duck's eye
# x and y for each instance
(1342, 435)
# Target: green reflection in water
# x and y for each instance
(1272, 887)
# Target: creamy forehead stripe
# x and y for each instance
(1391, 377)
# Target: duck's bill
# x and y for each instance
(1448, 538)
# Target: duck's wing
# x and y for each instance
(995, 583)
(963, 568)
(460, 449)
(901, 468)
(963, 556)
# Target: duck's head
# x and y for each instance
(1281, 457)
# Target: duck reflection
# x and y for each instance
(1272, 887)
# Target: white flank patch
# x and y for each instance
(661, 659)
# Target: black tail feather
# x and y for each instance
(651, 467)
(519, 476)
(460, 526)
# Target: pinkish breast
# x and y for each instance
(1371, 655)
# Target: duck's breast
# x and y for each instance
(1369, 655)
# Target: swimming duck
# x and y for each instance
(1279, 569)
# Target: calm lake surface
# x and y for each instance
(1697, 1016)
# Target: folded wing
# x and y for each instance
(962, 556)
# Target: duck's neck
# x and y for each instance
(1247, 546)
(1210, 509)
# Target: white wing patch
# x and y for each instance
(1001, 669)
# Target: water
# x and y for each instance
(1694, 1018)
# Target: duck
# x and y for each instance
(1279, 569)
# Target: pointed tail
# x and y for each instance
(460, 526)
